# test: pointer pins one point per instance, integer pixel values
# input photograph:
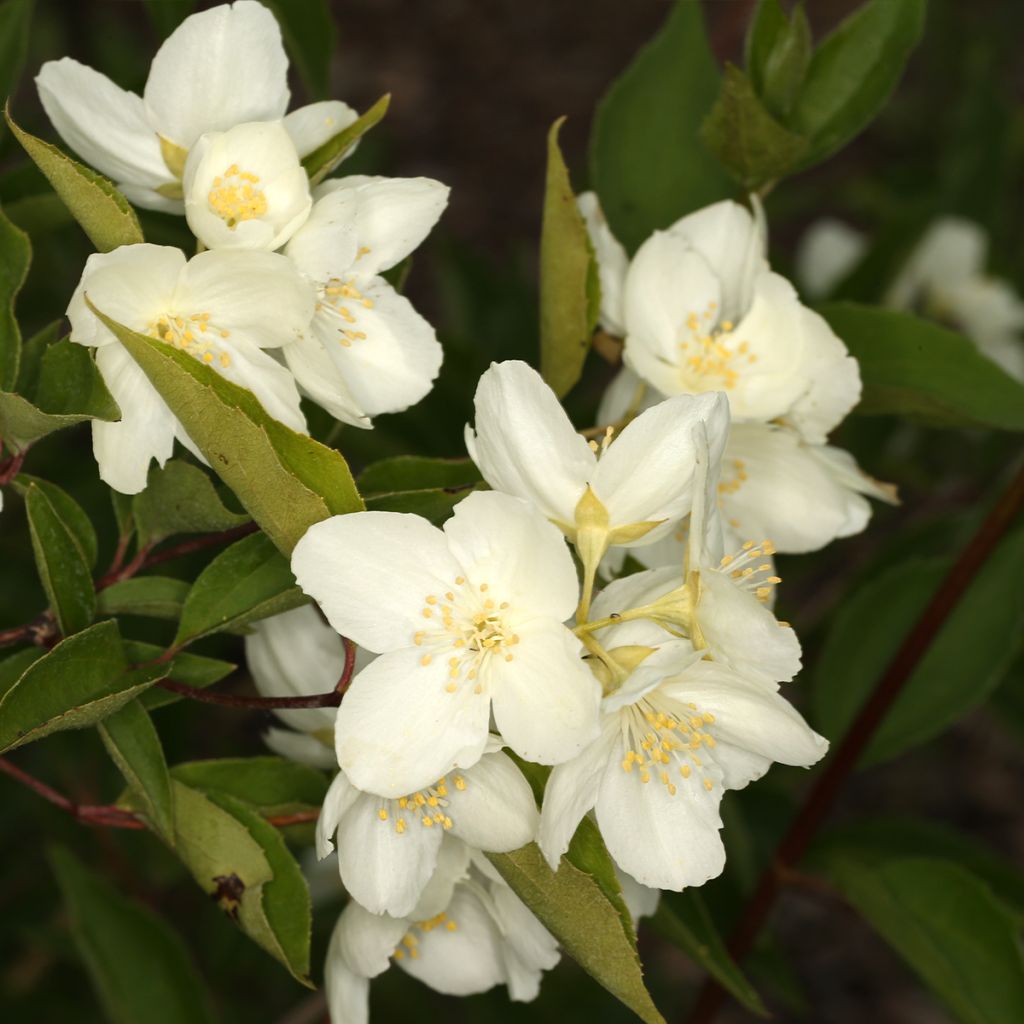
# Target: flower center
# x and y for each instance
(194, 334)
(429, 806)
(409, 946)
(709, 359)
(469, 626)
(759, 579)
(236, 196)
(341, 300)
(663, 743)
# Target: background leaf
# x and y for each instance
(70, 512)
(140, 968)
(15, 257)
(15, 19)
(310, 35)
(270, 784)
(158, 597)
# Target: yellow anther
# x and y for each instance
(383, 814)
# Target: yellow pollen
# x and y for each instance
(235, 202)
(382, 814)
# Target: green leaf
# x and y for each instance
(270, 784)
(917, 369)
(325, 158)
(243, 863)
(167, 15)
(567, 277)
(646, 162)
(193, 670)
(309, 34)
(123, 514)
(754, 147)
(15, 257)
(135, 748)
(573, 907)
(286, 480)
(948, 926)
(435, 504)
(61, 562)
(854, 71)
(13, 666)
(767, 28)
(140, 968)
(157, 597)
(416, 472)
(688, 926)
(963, 665)
(104, 214)
(69, 390)
(878, 840)
(70, 512)
(248, 581)
(77, 684)
(15, 19)
(180, 498)
(782, 69)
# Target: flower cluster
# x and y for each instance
(286, 296)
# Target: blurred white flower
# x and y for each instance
(466, 620)
(222, 308)
(469, 933)
(388, 849)
(828, 251)
(245, 188)
(368, 351)
(219, 68)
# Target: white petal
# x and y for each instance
(364, 942)
(145, 198)
(647, 473)
(217, 69)
(496, 810)
(571, 791)
(312, 125)
(627, 395)
(371, 573)
(105, 125)
(348, 993)
(828, 251)
(640, 900)
(123, 450)
(326, 245)
(505, 543)
(465, 960)
(296, 654)
(612, 263)
(399, 730)
(340, 797)
(383, 869)
(952, 250)
(528, 949)
(300, 747)
(319, 377)
(264, 376)
(545, 699)
(744, 634)
(394, 364)
(453, 860)
(524, 443)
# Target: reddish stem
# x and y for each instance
(823, 794)
(186, 547)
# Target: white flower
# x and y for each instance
(773, 482)
(245, 188)
(388, 848)
(296, 654)
(525, 445)
(223, 308)
(219, 68)
(828, 251)
(675, 735)
(468, 935)
(612, 263)
(945, 277)
(368, 352)
(466, 619)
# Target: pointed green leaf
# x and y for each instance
(180, 498)
(948, 926)
(575, 909)
(157, 597)
(687, 924)
(416, 472)
(15, 257)
(140, 968)
(77, 684)
(286, 480)
(248, 581)
(61, 562)
(914, 368)
(323, 160)
(568, 276)
(104, 214)
(781, 70)
(135, 748)
(13, 666)
(193, 670)
(70, 512)
(767, 27)
(963, 665)
(751, 144)
(646, 162)
(270, 784)
(854, 71)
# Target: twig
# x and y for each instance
(187, 547)
(823, 794)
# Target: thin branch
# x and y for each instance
(187, 547)
(823, 794)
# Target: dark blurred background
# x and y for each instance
(475, 87)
